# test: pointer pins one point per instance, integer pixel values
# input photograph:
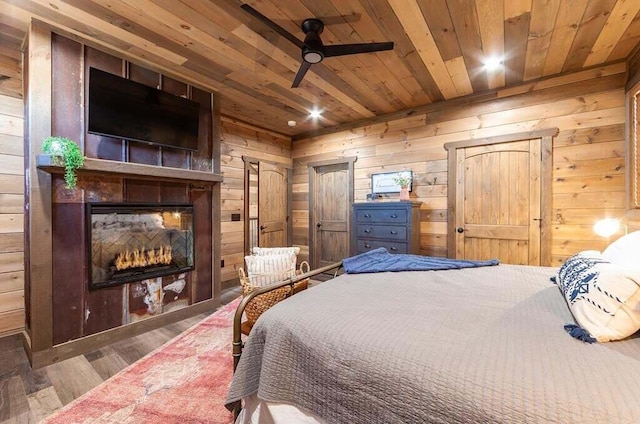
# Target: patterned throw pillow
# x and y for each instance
(264, 270)
(604, 298)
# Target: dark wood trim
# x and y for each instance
(348, 159)
(252, 159)
(452, 177)
(289, 206)
(135, 170)
(247, 188)
(546, 170)
(633, 66)
(505, 138)
(76, 347)
(312, 182)
(38, 232)
(216, 198)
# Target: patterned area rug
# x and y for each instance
(184, 381)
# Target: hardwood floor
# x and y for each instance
(28, 396)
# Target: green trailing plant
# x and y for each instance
(70, 154)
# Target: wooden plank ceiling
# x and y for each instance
(440, 48)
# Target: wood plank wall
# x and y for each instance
(588, 153)
(11, 215)
(12, 312)
(238, 140)
(11, 190)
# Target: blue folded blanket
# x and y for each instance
(380, 260)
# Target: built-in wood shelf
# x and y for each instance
(49, 164)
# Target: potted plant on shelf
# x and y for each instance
(403, 179)
(68, 154)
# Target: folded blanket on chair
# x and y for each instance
(380, 260)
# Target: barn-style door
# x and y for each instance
(331, 195)
(499, 198)
(273, 213)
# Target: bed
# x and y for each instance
(481, 345)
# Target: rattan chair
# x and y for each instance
(279, 267)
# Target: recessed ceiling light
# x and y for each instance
(291, 123)
(492, 63)
(315, 113)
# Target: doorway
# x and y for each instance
(330, 199)
(500, 198)
(267, 204)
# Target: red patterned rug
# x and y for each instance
(184, 381)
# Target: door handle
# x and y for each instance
(460, 230)
(318, 225)
(263, 227)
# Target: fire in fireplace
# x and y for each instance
(134, 242)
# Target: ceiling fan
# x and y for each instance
(313, 50)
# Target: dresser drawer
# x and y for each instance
(392, 247)
(389, 232)
(382, 215)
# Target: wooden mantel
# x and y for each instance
(135, 170)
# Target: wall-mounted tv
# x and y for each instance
(122, 108)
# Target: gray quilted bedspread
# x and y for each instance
(482, 345)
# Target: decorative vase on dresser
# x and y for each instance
(392, 225)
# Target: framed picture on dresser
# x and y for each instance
(386, 182)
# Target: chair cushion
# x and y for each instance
(264, 270)
(275, 250)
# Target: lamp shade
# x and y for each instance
(607, 227)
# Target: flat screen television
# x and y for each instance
(126, 109)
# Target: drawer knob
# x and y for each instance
(367, 245)
(393, 232)
(393, 215)
(393, 248)
(366, 215)
(367, 231)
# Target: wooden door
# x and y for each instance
(332, 190)
(273, 187)
(500, 201)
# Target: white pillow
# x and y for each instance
(625, 251)
(603, 297)
(264, 270)
(275, 250)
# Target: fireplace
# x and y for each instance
(134, 242)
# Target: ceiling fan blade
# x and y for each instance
(346, 49)
(304, 67)
(277, 28)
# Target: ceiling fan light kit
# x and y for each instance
(313, 50)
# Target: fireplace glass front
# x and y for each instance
(134, 242)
